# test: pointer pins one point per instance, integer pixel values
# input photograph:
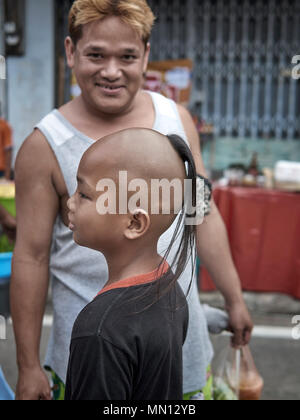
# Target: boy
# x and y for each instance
(127, 343)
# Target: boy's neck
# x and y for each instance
(126, 267)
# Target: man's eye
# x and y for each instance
(129, 57)
(95, 56)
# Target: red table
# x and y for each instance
(264, 233)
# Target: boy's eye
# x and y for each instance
(83, 196)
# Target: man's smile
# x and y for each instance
(109, 88)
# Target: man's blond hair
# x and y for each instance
(135, 13)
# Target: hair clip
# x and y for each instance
(207, 194)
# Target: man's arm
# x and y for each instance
(37, 207)
(214, 251)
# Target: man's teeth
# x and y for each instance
(109, 87)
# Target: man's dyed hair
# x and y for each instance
(136, 13)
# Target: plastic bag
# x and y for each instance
(226, 375)
(251, 383)
(236, 377)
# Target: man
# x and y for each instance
(108, 50)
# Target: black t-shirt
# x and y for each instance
(127, 344)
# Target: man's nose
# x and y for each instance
(111, 70)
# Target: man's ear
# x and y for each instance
(70, 51)
(146, 57)
(138, 224)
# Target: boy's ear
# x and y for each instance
(70, 52)
(138, 224)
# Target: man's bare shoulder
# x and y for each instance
(189, 126)
(193, 137)
(185, 114)
(35, 150)
(35, 139)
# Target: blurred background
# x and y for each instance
(236, 66)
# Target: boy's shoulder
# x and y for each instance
(95, 314)
(123, 316)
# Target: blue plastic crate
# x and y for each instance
(5, 267)
(6, 393)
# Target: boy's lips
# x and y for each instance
(71, 224)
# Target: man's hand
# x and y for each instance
(240, 324)
(33, 384)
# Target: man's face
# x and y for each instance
(108, 61)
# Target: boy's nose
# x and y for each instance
(70, 203)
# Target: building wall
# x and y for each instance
(242, 52)
(30, 78)
(228, 150)
(242, 82)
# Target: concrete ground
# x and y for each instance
(276, 353)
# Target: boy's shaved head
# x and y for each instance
(144, 154)
(124, 218)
